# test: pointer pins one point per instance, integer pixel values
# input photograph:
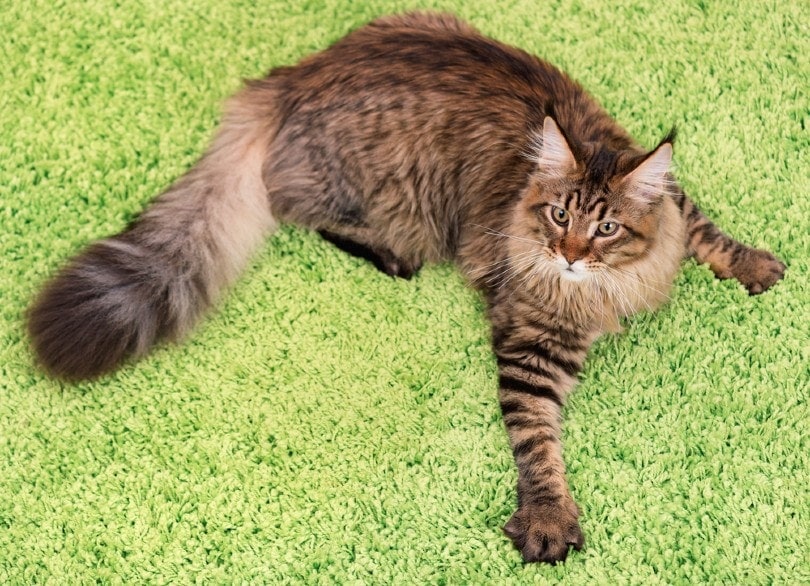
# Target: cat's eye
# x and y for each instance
(607, 228)
(559, 215)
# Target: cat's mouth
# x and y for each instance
(572, 275)
(574, 272)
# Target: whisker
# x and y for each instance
(519, 268)
(637, 278)
(600, 292)
(493, 232)
(512, 264)
(617, 295)
(512, 258)
(506, 260)
(536, 270)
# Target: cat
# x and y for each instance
(415, 139)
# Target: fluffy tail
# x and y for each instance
(121, 295)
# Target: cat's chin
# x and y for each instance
(572, 273)
(572, 276)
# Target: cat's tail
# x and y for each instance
(123, 294)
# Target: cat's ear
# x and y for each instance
(555, 157)
(648, 181)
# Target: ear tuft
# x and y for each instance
(555, 153)
(649, 180)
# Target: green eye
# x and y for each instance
(607, 228)
(559, 215)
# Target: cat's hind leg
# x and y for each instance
(385, 260)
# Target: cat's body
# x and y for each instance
(415, 139)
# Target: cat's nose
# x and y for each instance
(572, 256)
(573, 249)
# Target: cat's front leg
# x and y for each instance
(756, 269)
(536, 372)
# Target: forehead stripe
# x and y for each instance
(602, 211)
(571, 196)
(592, 205)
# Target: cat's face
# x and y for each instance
(592, 223)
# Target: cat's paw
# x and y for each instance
(397, 267)
(756, 269)
(545, 532)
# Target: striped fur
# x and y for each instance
(756, 269)
(412, 140)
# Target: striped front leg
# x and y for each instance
(535, 376)
(756, 269)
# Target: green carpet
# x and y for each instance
(331, 425)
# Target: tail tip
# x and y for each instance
(91, 316)
(72, 347)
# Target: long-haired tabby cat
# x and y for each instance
(416, 139)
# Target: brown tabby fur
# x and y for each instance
(412, 140)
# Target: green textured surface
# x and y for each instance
(331, 425)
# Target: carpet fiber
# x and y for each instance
(328, 424)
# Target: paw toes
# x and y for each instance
(758, 270)
(544, 535)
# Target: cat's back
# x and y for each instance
(440, 22)
(408, 121)
(424, 52)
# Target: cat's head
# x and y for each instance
(593, 216)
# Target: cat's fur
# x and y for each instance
(412, 140)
